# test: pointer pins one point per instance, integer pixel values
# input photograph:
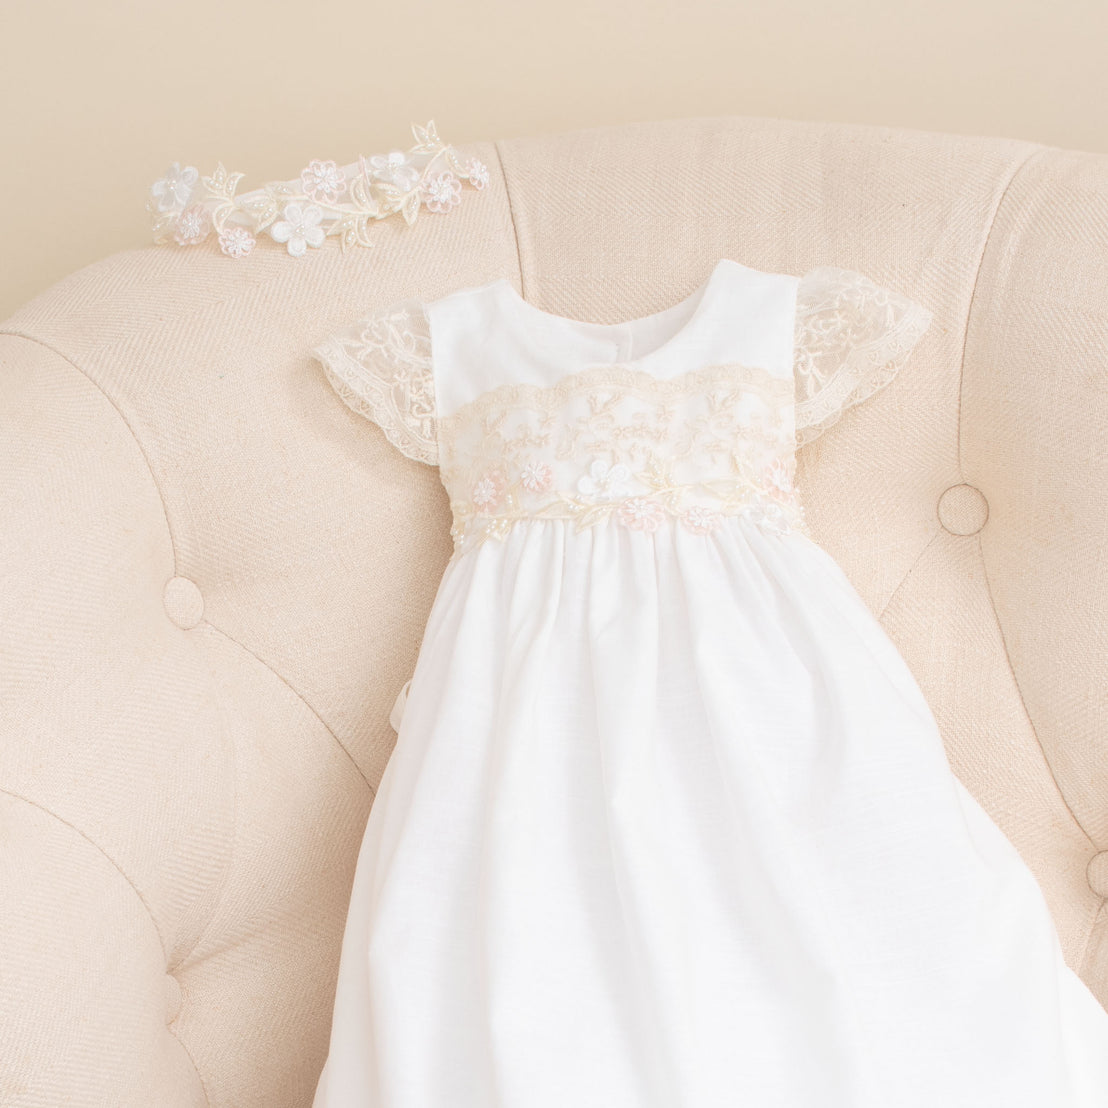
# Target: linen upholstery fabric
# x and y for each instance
(216, 576)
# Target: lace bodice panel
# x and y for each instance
(614, 441)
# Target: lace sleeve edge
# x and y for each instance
(368, 395)
(866, 369)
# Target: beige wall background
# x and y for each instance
(97, 99)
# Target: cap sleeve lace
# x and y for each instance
(381, 368)
(852, 338)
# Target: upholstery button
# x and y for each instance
(1097, 873)
(172, 998)
(183, 603)
(963, 509)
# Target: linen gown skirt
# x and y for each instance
(670, 824)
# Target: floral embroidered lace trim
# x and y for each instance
(616, 442)
(381, 368)
(324, 200)
(852, 338)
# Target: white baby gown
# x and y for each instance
(669, 822)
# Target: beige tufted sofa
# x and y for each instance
(214, 575)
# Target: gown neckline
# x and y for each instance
(702, 298)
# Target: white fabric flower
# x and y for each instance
(175, 188)
(300, 228)
(236, 241)
(323, 181)
(477, 173)
(396, 168)
(193, 225)
(769, 516)
(604, 481)
(442, 191)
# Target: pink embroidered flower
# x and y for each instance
(700, 519)
(323, 181)
(768, 516)
(604, 481)
(536, 476)
(640, 514)
(442, 191)
(175, 188)
(477, 173)
(776, 477)
(488, 490)
(236, 241)
(300, 228)
(193, 225)
(395, 168)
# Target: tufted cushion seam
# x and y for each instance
(299, 696)
(1038, 151)
(119, 411)
(1023, 702)
(1015, 680)
(122, 872)
(1083, 962)
(1084, 956)
(196, 1068)
(323, 723)
(907, 573)
(511, 210)
(142, 900)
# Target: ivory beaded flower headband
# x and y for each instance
(325, 199)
